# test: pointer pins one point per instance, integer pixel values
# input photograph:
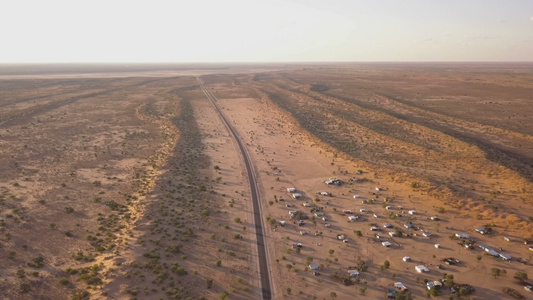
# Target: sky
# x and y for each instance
(68, 31)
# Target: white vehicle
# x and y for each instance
(342, 238)
(421, 268)
(400, 286)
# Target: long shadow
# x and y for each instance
(41, 109)
(180, 214)
(494, 152)
(307, 118)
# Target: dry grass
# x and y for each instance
(130, 187)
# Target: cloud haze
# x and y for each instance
(253, 30)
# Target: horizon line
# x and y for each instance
(264, 62)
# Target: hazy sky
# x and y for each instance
(268, 30)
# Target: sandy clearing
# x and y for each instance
(277, 145)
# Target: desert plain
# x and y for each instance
(123, 182)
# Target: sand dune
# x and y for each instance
(119, 184)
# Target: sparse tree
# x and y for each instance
(386, 264)
(521, 276)
(496, 272)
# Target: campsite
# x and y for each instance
(126, 183)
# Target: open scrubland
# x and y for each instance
(123, 182)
